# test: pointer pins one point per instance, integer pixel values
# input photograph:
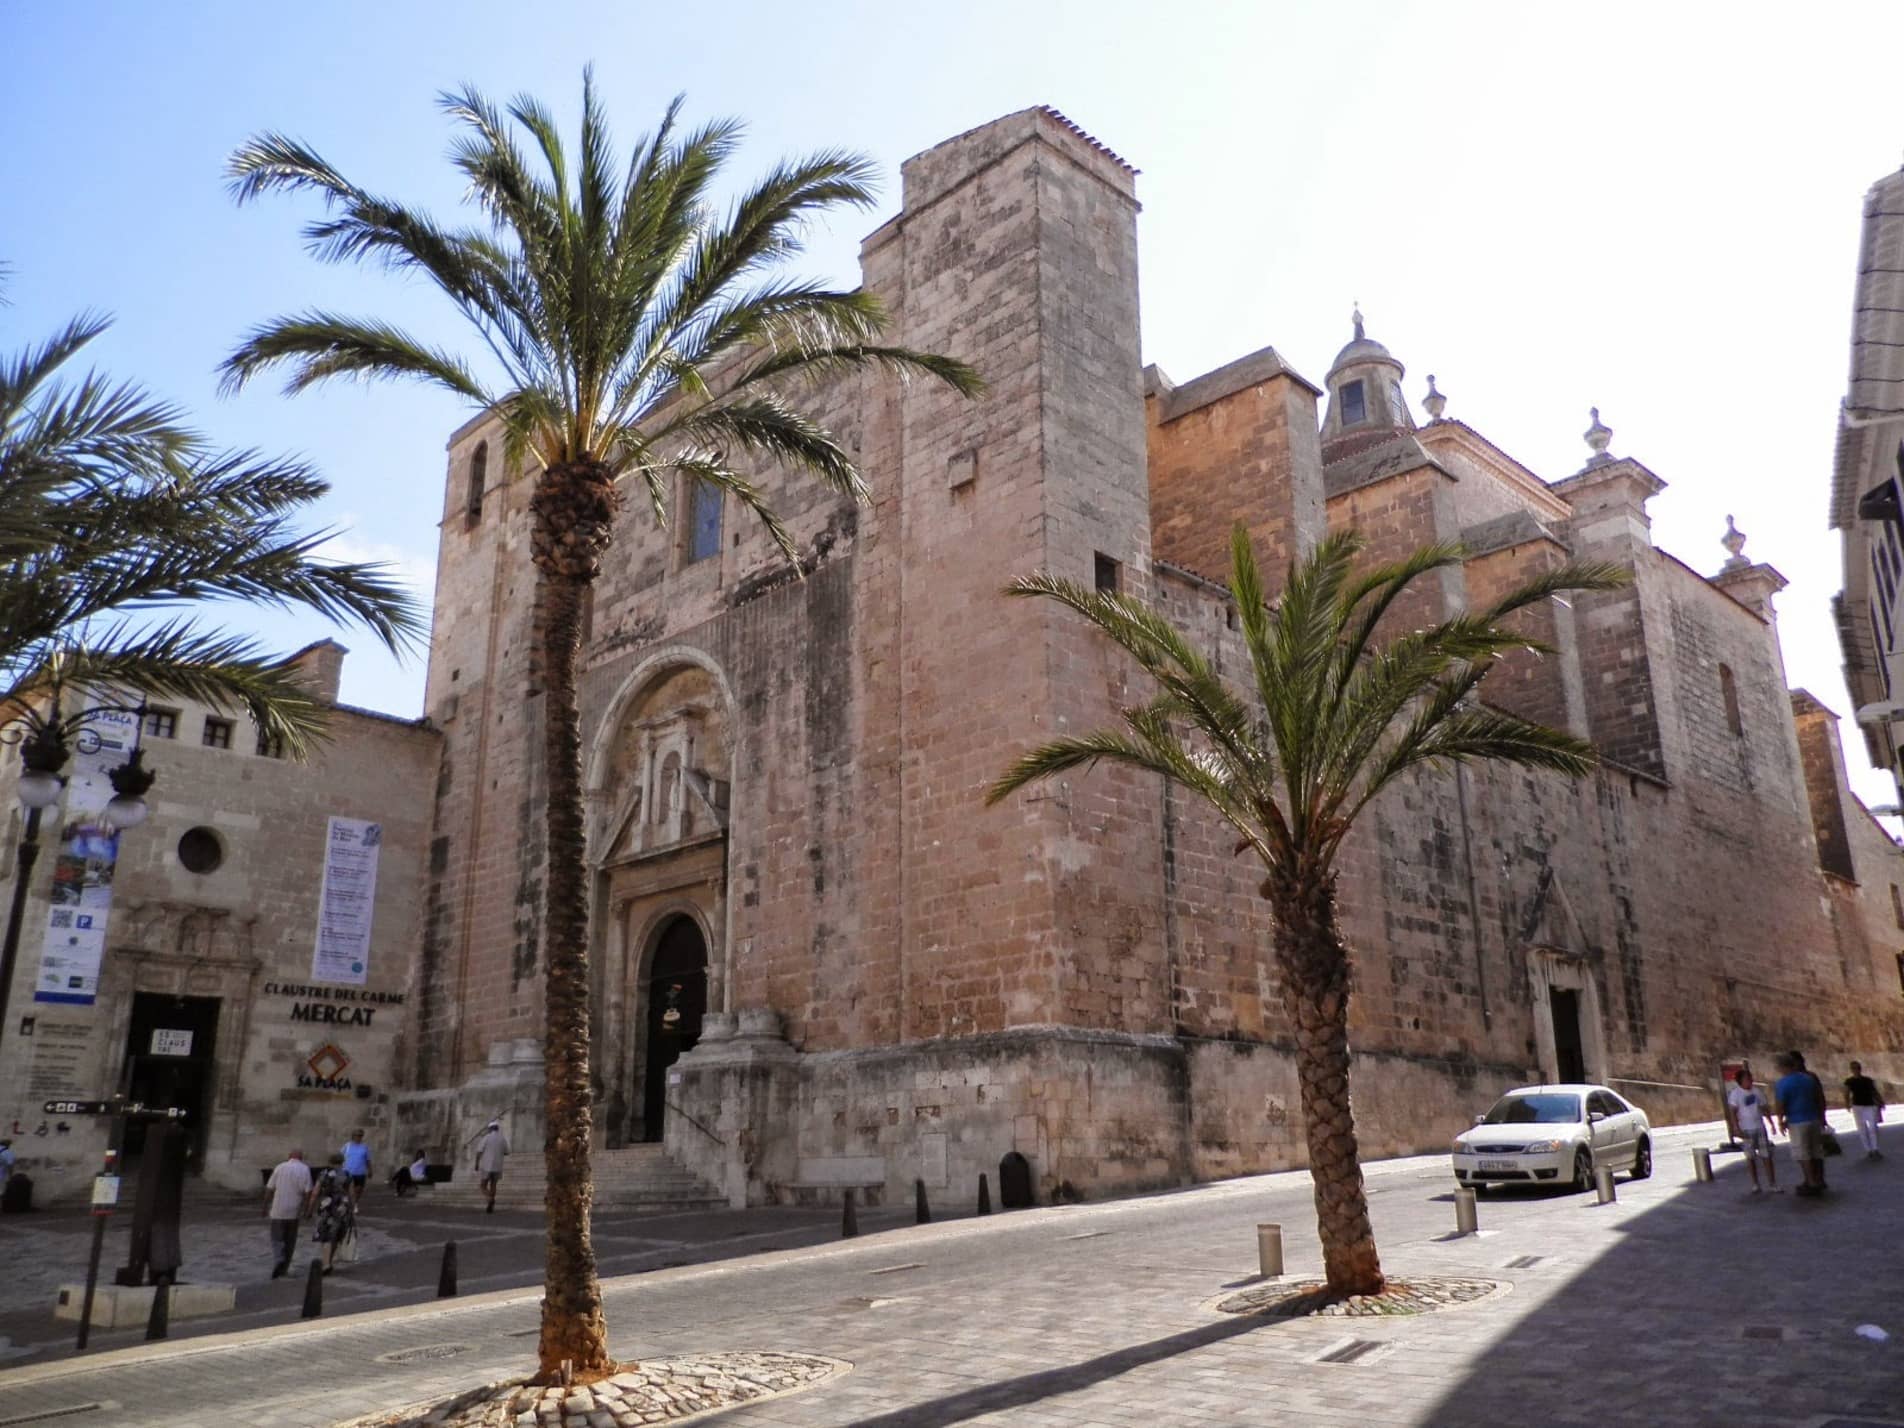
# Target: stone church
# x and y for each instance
(820, 962)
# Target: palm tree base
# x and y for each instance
(654, 1391)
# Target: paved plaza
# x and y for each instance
(1682, 1303)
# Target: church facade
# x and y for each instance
(822, 963)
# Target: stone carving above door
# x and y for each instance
(667, 770)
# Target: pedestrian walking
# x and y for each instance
(1801, 1105)
(491, 1147)
(334, 1208)
(6, 1163)
(356, 1162)
(1866, 1104)
(1749, 1108)
(286, 1194)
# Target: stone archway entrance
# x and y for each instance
(676, 1000)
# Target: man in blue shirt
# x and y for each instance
(1801, 1104)
(356, 1165)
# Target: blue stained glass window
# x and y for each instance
(704, 520)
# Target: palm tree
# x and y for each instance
(112, 511)
(632, 335)
(1338, 709)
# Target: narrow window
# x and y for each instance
(1900, 969)
(1107, 574)
(704, 520)
(1354, 404)
(1729, 690)
(268, 747)
(1897, 905)
(478, 478)
(217, 733)
(161, 724)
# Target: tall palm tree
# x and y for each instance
(630, 334)
(1337, 709)
(112, 512)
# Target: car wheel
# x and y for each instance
(1582, 1172)
(1643, 1159)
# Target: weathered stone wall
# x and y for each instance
(243, 933)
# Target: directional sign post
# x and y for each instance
(106, 1183)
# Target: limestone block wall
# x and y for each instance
(238, 941)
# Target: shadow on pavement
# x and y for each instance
(1713, 1307)
(1031, 1388)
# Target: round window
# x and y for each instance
(200, 851)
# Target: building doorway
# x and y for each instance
(170, 1059)
(1570, 1061)
(677, 999)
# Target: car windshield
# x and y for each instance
(1534, 1110)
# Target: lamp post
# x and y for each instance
(46, 743)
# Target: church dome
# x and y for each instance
(1363, 349)
(1365, 390)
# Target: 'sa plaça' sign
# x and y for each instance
(333, 1006)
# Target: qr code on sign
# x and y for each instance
(61, 917)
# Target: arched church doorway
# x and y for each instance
(677, 999)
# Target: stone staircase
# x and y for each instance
(635, 1177)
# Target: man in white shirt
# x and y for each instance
(1750, 1105)
(491, 1146)
(285, 1195)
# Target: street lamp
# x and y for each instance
(45, 746)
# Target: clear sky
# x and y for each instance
(1649, 208)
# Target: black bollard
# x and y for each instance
(159, 1321)
(922, 1213)
(849, 1219)
(984, 1195)
(314, 1290)
(446, 1278)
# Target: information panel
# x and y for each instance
(348, 898)
(80, 902)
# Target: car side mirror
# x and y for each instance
(1480, 1120)
(1595, 1116)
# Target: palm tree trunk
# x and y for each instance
(572, 508)
(1314, 968)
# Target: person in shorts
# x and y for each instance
(1749, 1107)
(491, 1146)
(356, 1162)
(1801, 1105)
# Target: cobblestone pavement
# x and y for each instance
(399, 1256)
(1680, 1304)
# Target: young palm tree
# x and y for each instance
(112, 511)
(1336, 711)
(630, 334)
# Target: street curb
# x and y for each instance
(878, 1245)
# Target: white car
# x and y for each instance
(1554, 1135)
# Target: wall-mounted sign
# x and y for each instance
(168, 1042)
(345, 904)
(81, 896)
(324, 1070)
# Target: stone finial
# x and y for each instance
(1734, 542)
(1434, 401)
(1356, 318)
(1597, 437)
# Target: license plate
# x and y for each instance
(1498, 1165)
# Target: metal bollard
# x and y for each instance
(1269, 1250)
(1603, 1184)
(849, 1218)
(921, 1211)
(1701, 1164)
(1466, 1217)
(159, 1322)
(446, 1276)
(314, 1290)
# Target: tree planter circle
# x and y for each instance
(654, 1391)
(1304, 1298)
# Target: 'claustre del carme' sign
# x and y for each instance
(333, 1006)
